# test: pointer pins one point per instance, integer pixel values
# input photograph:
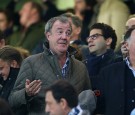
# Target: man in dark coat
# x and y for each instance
(117, 84)
(101, 42)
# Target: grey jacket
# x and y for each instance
(44, 66)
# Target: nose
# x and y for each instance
(89, 40)
(64, 36)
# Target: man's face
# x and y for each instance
(53, 107)
(3, 22)
(25, 13)
(97, 45)
(4, 69)
(59, 37)
(75, 31)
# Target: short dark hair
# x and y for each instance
(128, 33)
(63, 89)
(5, 108)
(107, 31)
(9, 53)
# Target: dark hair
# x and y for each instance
(9, 53)
(68, 14)
(8, 14)
(107, 31)
(63, 89)
(5, 108)
(128, 33)
(90, 2)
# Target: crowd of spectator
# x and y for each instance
(79, 61)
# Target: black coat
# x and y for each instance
(95, 63)
(7, 85)
(112, 89)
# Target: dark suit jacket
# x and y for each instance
(112, 89)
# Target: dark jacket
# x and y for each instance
(30, 38)
(7, 85)
(112, 88)
(95, 63)
(45, 66)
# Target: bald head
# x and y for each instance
(130, 23)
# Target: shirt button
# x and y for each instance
(133, 101)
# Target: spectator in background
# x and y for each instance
(32, 27)
(114, 13)
(50, 10)
(96, 9)
(5, 108)
(6, 24)
(10, 62)
(84, 10)
(39, 71)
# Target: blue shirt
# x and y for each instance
(65, 67)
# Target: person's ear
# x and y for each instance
(14, 64)
(78, 30)
(63, 103)
(108, 41)
(47, 34)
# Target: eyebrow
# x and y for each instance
(95, 34)
(127, 27)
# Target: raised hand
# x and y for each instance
(32, 88)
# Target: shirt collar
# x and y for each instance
(129, 65)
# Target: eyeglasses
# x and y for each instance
(94, 36)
